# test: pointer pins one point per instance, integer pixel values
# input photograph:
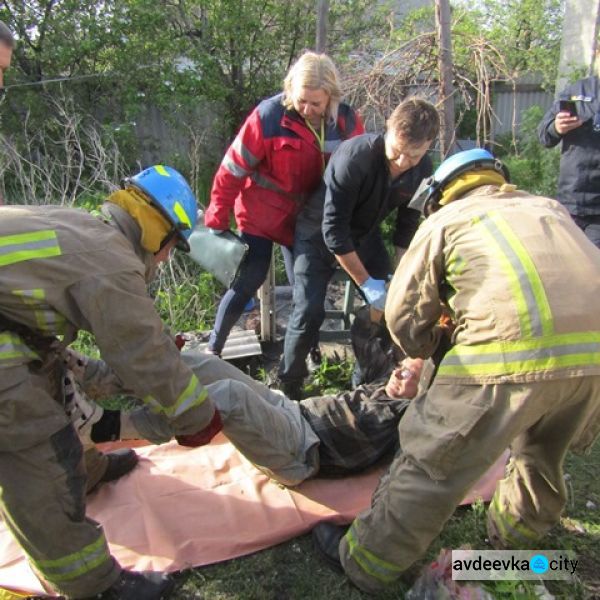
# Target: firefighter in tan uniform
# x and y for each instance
(521, 282)
(62, 270)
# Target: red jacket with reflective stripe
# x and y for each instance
(270, 169)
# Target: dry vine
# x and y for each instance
(375, 87)
(69, 157)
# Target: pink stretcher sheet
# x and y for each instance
(184, 508)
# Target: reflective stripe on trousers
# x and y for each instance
(370, 563)
(513, 533)
(76, 564)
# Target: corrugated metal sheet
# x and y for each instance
(239, 344)
(510, 106)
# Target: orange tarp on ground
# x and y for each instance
(184, 508)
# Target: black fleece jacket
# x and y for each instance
(360, 194)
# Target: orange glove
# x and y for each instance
(447, 324)
(204, 436)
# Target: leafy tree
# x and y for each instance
(203, 63)
(528, 32)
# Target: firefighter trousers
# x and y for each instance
(449, 438)
(43, 484)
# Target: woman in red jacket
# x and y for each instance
(275, 162)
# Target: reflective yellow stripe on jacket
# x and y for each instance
(540, 348)
(76, 564)
(48, 320)
(526, 285)
(13, 350)
(28, 246)
(193, 395)
(524, 356)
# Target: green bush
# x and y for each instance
(532, 167)
(186, 297)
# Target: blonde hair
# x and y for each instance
(316, 72)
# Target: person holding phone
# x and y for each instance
(574, 120)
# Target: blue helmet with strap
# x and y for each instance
(426, 198)
(172, 196)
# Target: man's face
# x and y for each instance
(403, 155)
(5, 56)
(164, 254)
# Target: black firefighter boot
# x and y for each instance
(326, 539)
(147, 585)
(120, 462)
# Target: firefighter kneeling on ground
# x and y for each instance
(521, 282)
(62, 270)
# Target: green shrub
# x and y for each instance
(532, 167)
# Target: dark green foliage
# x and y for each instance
(532, 167)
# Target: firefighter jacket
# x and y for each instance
(360, 194)
(521, 281)
(62, 270)
(579, 175)
(271, 168)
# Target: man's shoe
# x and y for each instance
(292, 389)
(314, 359)
(147, 585)
(120, 462)
(326, 539)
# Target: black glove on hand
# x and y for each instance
(108, 428)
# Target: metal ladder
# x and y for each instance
(268, 322)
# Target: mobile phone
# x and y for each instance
(568, 106)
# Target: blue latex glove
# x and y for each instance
(375, 292)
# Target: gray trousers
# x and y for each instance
(264, 425)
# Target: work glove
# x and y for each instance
(82, 412)
(108, 428)
(204, 436)
(180, 341)
(375, 292)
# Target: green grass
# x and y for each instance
(293, 570)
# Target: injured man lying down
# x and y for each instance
(290, 441)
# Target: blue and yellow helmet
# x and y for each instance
(171, 194)
(428, 195)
